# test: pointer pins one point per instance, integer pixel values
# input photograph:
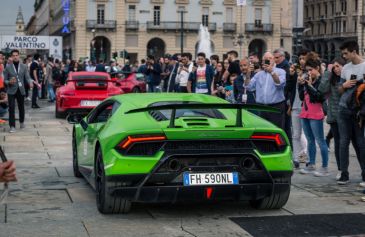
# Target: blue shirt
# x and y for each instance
(267, 91)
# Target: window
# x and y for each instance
(333, 8)
(205, 16)
(332, 27)
(356, 6)
(229, 15)
(103, 112)
(132, 12)
(319, 29)
(156, 15)
(355, 26)
(282, 43)
(258, 17)
(325, 10)
(325, 28)
(100, 13)
(344, 26)
(319, 10)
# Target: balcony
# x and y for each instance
(107, 25)
(229, 27)
(256, 28)
(131, 25)
(176, 26)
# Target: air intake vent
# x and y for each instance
(157, 116)
(197, 124)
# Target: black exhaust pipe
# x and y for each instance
(174, 165)
(248, 163)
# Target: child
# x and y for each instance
(229, 89)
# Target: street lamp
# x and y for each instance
(181, 11)
(92, 46)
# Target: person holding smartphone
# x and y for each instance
(348, 124)
(269, 86)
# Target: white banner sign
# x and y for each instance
(52, 43)
(241, 2)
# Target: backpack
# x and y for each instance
(56, 73)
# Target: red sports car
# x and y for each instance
(130, 82)
(83, 91)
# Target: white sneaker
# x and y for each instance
(362, 184)
(308, 170)
(338, 176)
(322, 172)
(363, 199)
(12, 130)
(28, 99)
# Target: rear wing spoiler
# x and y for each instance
(175, 107)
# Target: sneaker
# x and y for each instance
(296, 164)
(28, 99)
(35, 107)
(322, 172)
(303, 158)
(344, 179)
(362, 184)
(338, 176)
(22, 125)
(12, 130)
(363, 199)
(308, 170)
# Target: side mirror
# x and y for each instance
(74, 118)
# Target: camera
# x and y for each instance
(267, 62)
(256, 66)
(353, 77)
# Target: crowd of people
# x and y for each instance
(306, 93)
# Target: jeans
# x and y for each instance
(153, 88)
(313, 130)
(299, 140)
(34, 95)
(3, 111)
(20, 100)
(336, 137)
(349, 129)
(51, 94)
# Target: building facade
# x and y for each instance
(100, 28)
(328, 23)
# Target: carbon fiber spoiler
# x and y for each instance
(175, 107)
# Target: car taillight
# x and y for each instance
(128, 141)
(276, 137)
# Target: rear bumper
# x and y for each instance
(178, 193)
(73, 103)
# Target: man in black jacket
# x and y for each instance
(153, 74)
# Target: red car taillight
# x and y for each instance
(68, 93)
(276, 137)
(128, 141)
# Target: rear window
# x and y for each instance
(166, 114)
(91, 77)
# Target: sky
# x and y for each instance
(9, 11)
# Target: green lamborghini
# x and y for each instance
(180, 147)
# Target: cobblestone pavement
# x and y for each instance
(48, 201)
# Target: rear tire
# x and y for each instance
(59, 114)
(106, 203)
(75, 163)
(276, 200)
(136, 90)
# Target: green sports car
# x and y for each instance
(180, 147)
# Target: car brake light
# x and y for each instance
(140, 138)
(277, 138)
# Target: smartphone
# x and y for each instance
(267, 62)
(2, 155)
(353, 77)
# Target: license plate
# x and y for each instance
(90, 102)
(210, 178)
